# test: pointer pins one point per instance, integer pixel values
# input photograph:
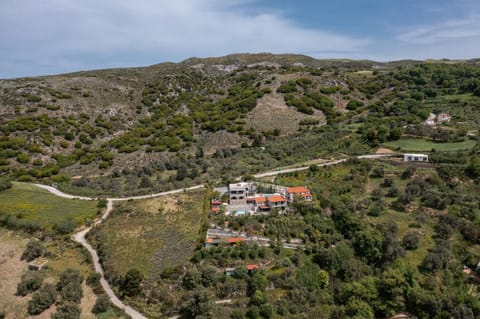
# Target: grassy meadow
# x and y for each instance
(421, 145)
(151, 235)
(32, 204)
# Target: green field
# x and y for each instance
(30, 203)
(152, 234)
(421, 145)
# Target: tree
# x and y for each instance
(66, 226)
(31, 281)
(473, 168)
(69, 276)
(192, 279)
(101, 305)
(258, 298)
(257, 282)
(357, 308)
(72, 292)
(131, 283)
(42, 299)
(33, 250)
(209, 276)
(411, 240)
(145, 182)
(368, 244)
(199, 305)
(67, 310)
(5, 184)
(312, 277)
(463, 312)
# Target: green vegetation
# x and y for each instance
(149, 241)
(421, 145)
(379, 239)
(31, 208)
(205, 124)
(33, 250)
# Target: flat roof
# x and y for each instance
(414, 154)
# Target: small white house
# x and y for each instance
(415, 158)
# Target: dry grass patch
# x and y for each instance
(150, 235)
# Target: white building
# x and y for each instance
(238, 193)
(415, 158)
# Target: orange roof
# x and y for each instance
(276, 199)
(298, 189)
(209, 240)
(260, 199)
(252, 267)
(235, 240)
(215, 209)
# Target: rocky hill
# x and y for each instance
(122, 130)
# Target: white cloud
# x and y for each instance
(439, 32)
(40, 33)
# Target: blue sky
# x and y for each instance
(56, 36)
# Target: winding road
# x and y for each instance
(80, 236)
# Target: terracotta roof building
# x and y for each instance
(299, 191)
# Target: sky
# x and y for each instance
(57, 36)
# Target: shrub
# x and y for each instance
(411, 240)
(101, 305)
(5, 184)
(42, 299)
(31, 281)
(33, 250)
(72, 292)
(67, 310)
(65, 227)
(131, 283)
(354, 104)
(23, 158)
(51, 107)
(102, 203)
(93, 280)
(69, 276)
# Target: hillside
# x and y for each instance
(169, 125)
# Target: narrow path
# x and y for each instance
(80, 238)
(59, 193)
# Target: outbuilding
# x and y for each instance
(415, 158)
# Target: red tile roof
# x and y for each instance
(215, 209)
(216, 202)
(252, 267)
(298, 189)
(235, 240)
(209, 240)
(260, 199)
(276, 199)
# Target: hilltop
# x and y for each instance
(166, 125)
